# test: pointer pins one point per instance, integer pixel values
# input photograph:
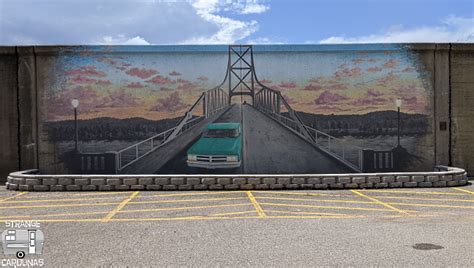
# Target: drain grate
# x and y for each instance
(426, 246)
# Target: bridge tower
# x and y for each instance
(241, 71)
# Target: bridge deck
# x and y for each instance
(268, 148)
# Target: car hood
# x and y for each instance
(216, 146)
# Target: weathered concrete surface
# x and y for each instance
(462, 106)
(8, 112)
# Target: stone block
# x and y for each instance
(114, 181)
(97, 181)
(73, 188)
(292, 186)
(82, 181)
(208, 181)
(216, 187)
(447, 178)
(452, 183)
(89, 187)
(403, 178)
(321, 186)
(239, 181)
(254, 181)
(32, 181)
(169, 187)
(137, 187)
(185, 187)
(417, 178)
(162, 181)
(231, 187)
(314, 180)
(432, 178)
(439, 184)
(65, 181)
(351, 185)
(276, 186)
(200, 187)
(284, 181)
(146, 181)
(298, 180)
(153, 187)
(57, 188)
(462, 182)
(12, 186)
(177, 181)
(307, 186)
(410, 184)
(367, 185)
(262, 187)
(344, 180)
(41, 188)
(329, 180)
(269, 180)
(336, 186)
(457, 177)
(381, 185)
(358, 180)
(193, 181)
(373, 179)
(50, 181)
(247, 186)
(388, 179)
(105, 187)
(224, 181)
(425, 184)
(122, 187)
(25, 187)
(130, 181)
(18, 181)
(395, 184)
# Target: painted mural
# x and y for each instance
(236, 109)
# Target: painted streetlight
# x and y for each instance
(398, 103)
(75, 104)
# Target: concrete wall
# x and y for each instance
(450, 68)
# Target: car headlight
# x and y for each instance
(232, 158)
(192, 157)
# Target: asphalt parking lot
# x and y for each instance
(430, 226)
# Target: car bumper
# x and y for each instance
(213, 165)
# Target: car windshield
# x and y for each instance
(221, 133)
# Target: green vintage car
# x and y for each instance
(220, 146)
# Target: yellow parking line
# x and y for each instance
(380, 202)
(303, 212)
(316, 217)
(293, 193)
(316, 200)
(257, 206)
(410, 192)
(130, 203)
(424, 199)
(11, 197)
(431, 205)
(231, 213)
(464, 190)
(329, 207)
(61, 200)
(123, 211)
(200, 193)
(119, 207)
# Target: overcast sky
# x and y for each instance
(141, 22)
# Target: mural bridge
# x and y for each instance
(275, 139)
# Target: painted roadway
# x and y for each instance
(269, 148)
(384, 227)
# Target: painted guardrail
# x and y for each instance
(31, 180)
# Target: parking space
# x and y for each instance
(166, 206)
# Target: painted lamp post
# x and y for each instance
(398, 103)
(75, 104)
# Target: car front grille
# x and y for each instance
(211, 158)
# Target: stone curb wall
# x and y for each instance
(29, 180)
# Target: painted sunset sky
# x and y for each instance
(160, 84)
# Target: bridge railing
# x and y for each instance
(213, 101)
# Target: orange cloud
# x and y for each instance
(391, 63)
(327, 98)
(135, 85)
(141, 73)
(374, 69)
(158, 79)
